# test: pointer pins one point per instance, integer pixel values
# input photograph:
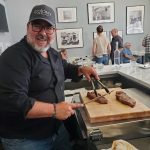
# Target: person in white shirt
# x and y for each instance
(101, 47)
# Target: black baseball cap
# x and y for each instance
(43, 12)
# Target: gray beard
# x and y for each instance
(37, 48)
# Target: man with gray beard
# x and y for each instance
(32, 101)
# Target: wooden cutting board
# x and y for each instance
(114, 110)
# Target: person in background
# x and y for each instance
(101, 47)
(115, 38)
(32, 106)
(146, 44)
(64, 54)
(126, 53)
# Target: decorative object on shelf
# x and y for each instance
(135, 19)
(69, 38)
(101, 12)
(67, 14)
(95, 34)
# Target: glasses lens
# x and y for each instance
(39, 27)
(36, 27)
(49, 30)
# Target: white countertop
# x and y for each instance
(131, 71)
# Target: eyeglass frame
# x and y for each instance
(41, 27)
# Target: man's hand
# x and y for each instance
(65, 110)
(88, 72)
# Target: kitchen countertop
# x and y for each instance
(131, 71)
(128, 129)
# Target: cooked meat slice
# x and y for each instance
(101, 100)
(91, 95)
(125, 99)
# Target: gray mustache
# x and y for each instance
(41, 37)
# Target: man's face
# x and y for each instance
(113, 33)
(40, 35)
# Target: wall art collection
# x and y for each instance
(97, 13)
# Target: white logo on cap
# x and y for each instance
(42, 12)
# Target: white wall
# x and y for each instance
(18, 12)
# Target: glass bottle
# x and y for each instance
(117, 55)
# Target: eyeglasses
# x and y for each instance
(39, 27)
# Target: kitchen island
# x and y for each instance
(136, 82)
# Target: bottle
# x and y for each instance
(117, 55)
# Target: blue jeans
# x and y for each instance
(103, 59)
(59, 141)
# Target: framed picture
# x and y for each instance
(101, 12)
(69, 38)
(95, 34)
(135, 19)
(120, 33)
(67, 14)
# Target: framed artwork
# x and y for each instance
(95, 34)
(69, 38)
(135, 19)
(120, 33)
(67, 14)
(101, 12)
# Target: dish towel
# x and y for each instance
(121, 145)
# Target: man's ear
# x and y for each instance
(28, 24)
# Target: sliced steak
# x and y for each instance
(101, 100)
(125, 99)
(91, 95)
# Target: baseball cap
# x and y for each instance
(43, 12)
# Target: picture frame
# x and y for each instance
(120, 33)
(135, 19)
(67, 14)
(101, 12)
(69, 38)
(95, 34)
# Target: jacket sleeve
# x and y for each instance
(14, 82)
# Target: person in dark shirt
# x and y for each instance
(115, 38)
(32, 74)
